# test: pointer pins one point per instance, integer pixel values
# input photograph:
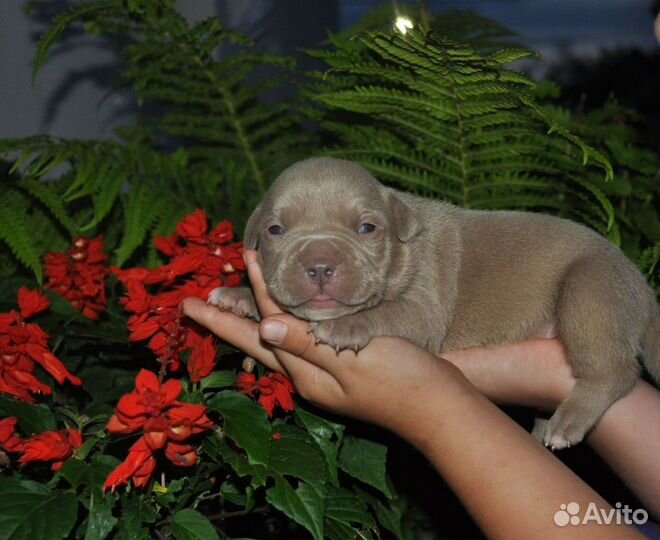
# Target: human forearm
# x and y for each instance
(628, 439)
(511, 485)
(536, 374)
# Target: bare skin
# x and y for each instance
(489, 461)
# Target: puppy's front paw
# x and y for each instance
(238, 300)
(349, 332)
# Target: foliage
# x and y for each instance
(424, 111)
(439, 118)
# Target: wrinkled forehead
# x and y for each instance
(324, 191)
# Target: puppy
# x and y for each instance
(358, 260)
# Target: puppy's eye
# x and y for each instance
(276, 230)
(366, 228)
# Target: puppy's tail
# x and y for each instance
(651, 346)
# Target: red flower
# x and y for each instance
(55, 446)
(148, 400)
(182, 455)
(31, 302)
(78, 275)
(193, 227)
(186, 419)
(22, 346)
(202, 359)
(246, 383)
(274, 389)
(9, 441)
(199, 262)
(139, 465)
(153, 408)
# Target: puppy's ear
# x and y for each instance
(406, 224)
(251, 235)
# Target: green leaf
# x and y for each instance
(305, 505)
(219, 379)
(218, 448)
(246, 423)
(344, 511)
(137, 509)
(389, 515)
(295, 453)
(60, 24)
(33, 511)
(100, 521)
(92, 474)
(191, 525)
(31, 418)
(45, 193)
(366, 461)
(141, 210)
(327, 435)
(15, 232)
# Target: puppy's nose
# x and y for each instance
(320, 271)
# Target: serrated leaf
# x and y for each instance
(345, 514)
(44, 193)
(246, 423)
(136, 511)
(92, 474)
(327, 435)
(295, 453)
(60, 24)
(190, 524)
(219, 379)
(305, 505)
(100, 521)
(141, 211)
(33, 511)
(15, 232)
(31, 418)
(218, 448)
(366, 461)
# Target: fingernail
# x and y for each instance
(273, 331)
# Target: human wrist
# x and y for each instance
(421, 420)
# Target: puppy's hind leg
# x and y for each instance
(596, 323)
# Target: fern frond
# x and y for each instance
(15, 231)
(141, 212)
(440, 118)
(52, 200)
(61, 23)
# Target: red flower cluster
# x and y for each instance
(165, 422)
(23, 345)
(55, 446)
(199, 262)
(274, 389)
(78, 275)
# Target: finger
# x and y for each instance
(298, 353)
(241, 333)
(265, 303)
(292, 341)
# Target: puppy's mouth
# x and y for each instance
(322, 301)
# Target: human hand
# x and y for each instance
(391, 382)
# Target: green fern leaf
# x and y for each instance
(61, 23)
(141, 212)
(52, 200)
(17, 234)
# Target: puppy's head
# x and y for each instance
(331, 238)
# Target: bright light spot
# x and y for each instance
(403, 24)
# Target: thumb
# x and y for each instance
(287, 334)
